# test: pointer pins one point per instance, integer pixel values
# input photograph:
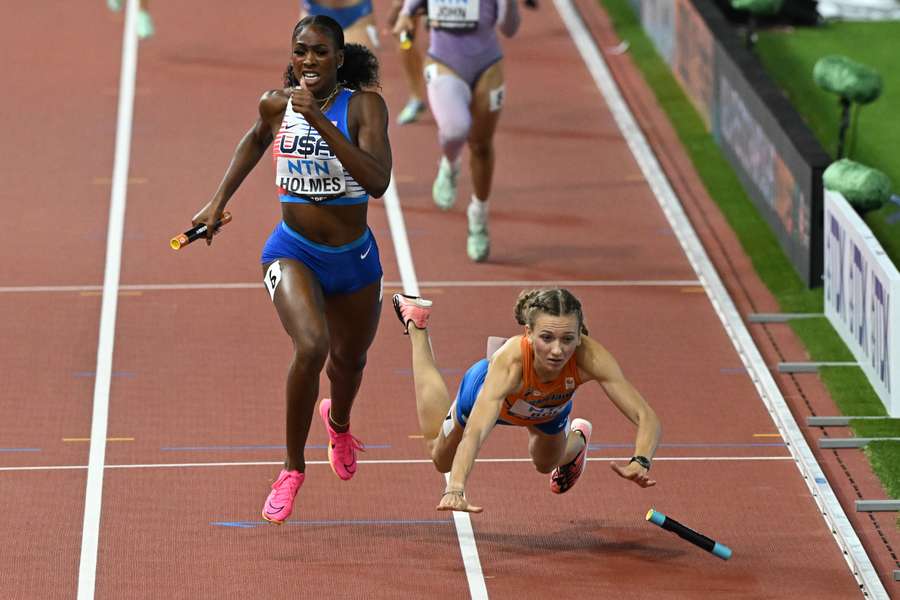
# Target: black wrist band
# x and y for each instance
(641, 460)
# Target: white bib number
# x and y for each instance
(272, 278)
(453, 14)
(524, 410)
(314, 178)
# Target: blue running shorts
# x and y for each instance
(339, 269)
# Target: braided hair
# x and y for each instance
(555, 302)
(360, 68)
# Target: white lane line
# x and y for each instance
(768, 391)
(388, 461)
(24, 289)
(397, 225)
(464, 533)
(90, 531)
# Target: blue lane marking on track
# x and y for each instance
(128, 374)
(691, 445)
(20, 450)
(821, 480)
(252, 524)
(252, 447)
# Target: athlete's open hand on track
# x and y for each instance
(209, 215)
(457, 501)
(634, 472)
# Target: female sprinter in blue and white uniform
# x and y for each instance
(321, 262)
(530, 382)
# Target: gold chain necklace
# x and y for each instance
(324, 103)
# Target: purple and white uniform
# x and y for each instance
(463, 32)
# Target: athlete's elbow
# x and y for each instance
(380, 186)
(379, 191)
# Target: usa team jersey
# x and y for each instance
(306, 170)
(537, 402)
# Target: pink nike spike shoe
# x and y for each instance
(412, 309)
(565, 476)
(280, 502)
(342, 447)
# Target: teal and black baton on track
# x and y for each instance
(698, 539)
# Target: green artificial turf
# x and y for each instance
(852, 392)
(875, 143)
(876, 427)
(885, 456)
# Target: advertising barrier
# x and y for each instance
(862, 297)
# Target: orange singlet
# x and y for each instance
(537, 402)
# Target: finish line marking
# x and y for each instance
(88, 290)
(399, 461)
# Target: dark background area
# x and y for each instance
(794, 12)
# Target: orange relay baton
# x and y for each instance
(195, 233)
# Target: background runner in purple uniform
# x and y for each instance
(464, 75)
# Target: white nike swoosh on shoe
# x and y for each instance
(366, 253)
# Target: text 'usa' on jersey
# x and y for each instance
(306, 169)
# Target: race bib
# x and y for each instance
(496, 98)
(273, 278)
(453, 14)
(314, 178)
(524, 410)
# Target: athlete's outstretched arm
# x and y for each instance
(504, 376)
(247, 154)
(598, 364)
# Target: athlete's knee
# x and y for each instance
(454, 130)
(443, 464)
(450, 97)
(343, 363)
(543, 467)
(545, 459)
(310, 347)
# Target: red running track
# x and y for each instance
(196, 404)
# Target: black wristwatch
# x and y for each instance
(641, 460)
